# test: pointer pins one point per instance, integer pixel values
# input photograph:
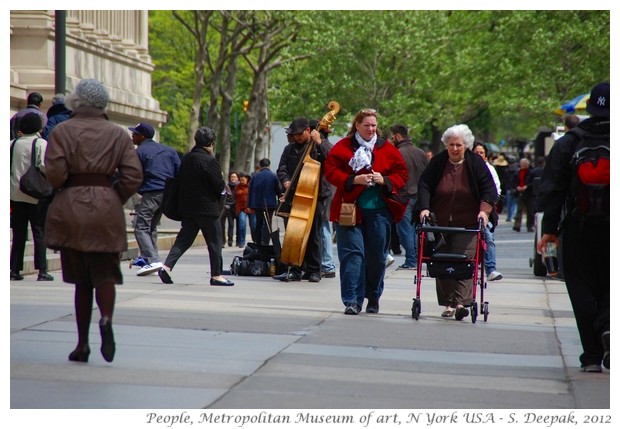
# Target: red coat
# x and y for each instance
(387, 160)
(241, 195)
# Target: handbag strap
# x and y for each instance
(33, 155)
(12, 147)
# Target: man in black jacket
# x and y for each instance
(201, 187)
(302, 136)
(585, 227)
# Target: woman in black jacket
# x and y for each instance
(458, 188)
(201, 185)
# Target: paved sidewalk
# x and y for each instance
(265, 344)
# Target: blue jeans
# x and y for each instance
(511, 206)
(361, 251)
(242, 222)
(327, 254)
(407, 235)
(489, 255)
(252, 217)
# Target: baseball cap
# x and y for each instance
(598, 104)
(143, 129)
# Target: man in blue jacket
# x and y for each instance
(263, 194)
(159, 162)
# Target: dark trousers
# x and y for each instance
(228, 215)
(524, 205)
(585, 253)
(211, 231)
(22, 214)
(263, 226)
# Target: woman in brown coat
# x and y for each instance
(94, 166)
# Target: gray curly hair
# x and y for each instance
(462, 131)
(88, 92)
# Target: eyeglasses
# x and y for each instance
(368, 112)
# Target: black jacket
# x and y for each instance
(480, 181)
(201, 184)
(291, 157)
(556, 181)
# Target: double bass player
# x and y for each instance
(301, 135)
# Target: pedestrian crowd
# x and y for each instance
(368, 193)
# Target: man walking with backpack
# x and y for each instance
(576, 181)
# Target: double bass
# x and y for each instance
(302, 196)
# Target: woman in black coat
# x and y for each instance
(201, 184)
(458, 188)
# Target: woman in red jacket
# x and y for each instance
(366, 170)
(241, 208)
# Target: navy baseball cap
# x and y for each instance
(143, 129)
(598, 104)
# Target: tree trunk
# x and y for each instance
(225, 117)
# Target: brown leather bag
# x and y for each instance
(347, 214)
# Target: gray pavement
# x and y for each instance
(265, 344)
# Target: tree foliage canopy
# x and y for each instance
(501, 72)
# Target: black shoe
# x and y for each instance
(215, 282)
(461, 313)
(108, 346)
(80, 354)
(514, 228)
(44, 277)
(288, 277)
(591, 368)
(164, 276)
(314, 277)
(372, 307)
(352, 309)
(305, 276)
(16, 276)
(328, 274)
(605, 339)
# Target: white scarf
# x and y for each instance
(362, 157)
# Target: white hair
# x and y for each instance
(462, 131)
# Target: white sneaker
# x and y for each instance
(389, 260)
(150, 268)
(495, 275)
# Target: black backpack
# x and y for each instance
(590, 198)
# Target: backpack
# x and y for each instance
(590, 177)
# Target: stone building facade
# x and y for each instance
(108, 45)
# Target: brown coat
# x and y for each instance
(90, 218)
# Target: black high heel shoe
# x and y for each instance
(80, 354)
(108, 346)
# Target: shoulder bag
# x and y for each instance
(33, 183)
(170, 201)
